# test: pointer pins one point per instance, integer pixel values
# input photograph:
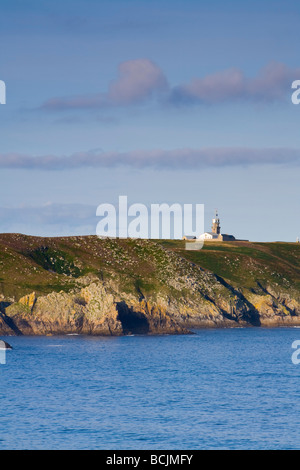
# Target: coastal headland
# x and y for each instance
(87, 285)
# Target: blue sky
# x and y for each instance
(162, 101)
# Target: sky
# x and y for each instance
(163, 101)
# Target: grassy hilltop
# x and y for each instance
(248, 264)
(156, 286)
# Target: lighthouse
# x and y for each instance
(215, 234)
(216, 228)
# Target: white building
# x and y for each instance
(215, 234)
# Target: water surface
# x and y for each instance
(217, 389)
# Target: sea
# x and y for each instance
(233, 388)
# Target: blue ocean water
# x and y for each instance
(217, 389)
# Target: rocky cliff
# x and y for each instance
(114, 287)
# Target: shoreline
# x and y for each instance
(188, 330)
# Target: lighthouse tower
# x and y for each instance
(215, 235)
(216, 228)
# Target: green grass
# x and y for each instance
(247, 264)
(140, 266)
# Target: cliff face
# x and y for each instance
(114, 287)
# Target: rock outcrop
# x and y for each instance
(98, 309)
(92, 310)
(28, 300)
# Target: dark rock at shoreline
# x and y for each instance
(4, 345)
